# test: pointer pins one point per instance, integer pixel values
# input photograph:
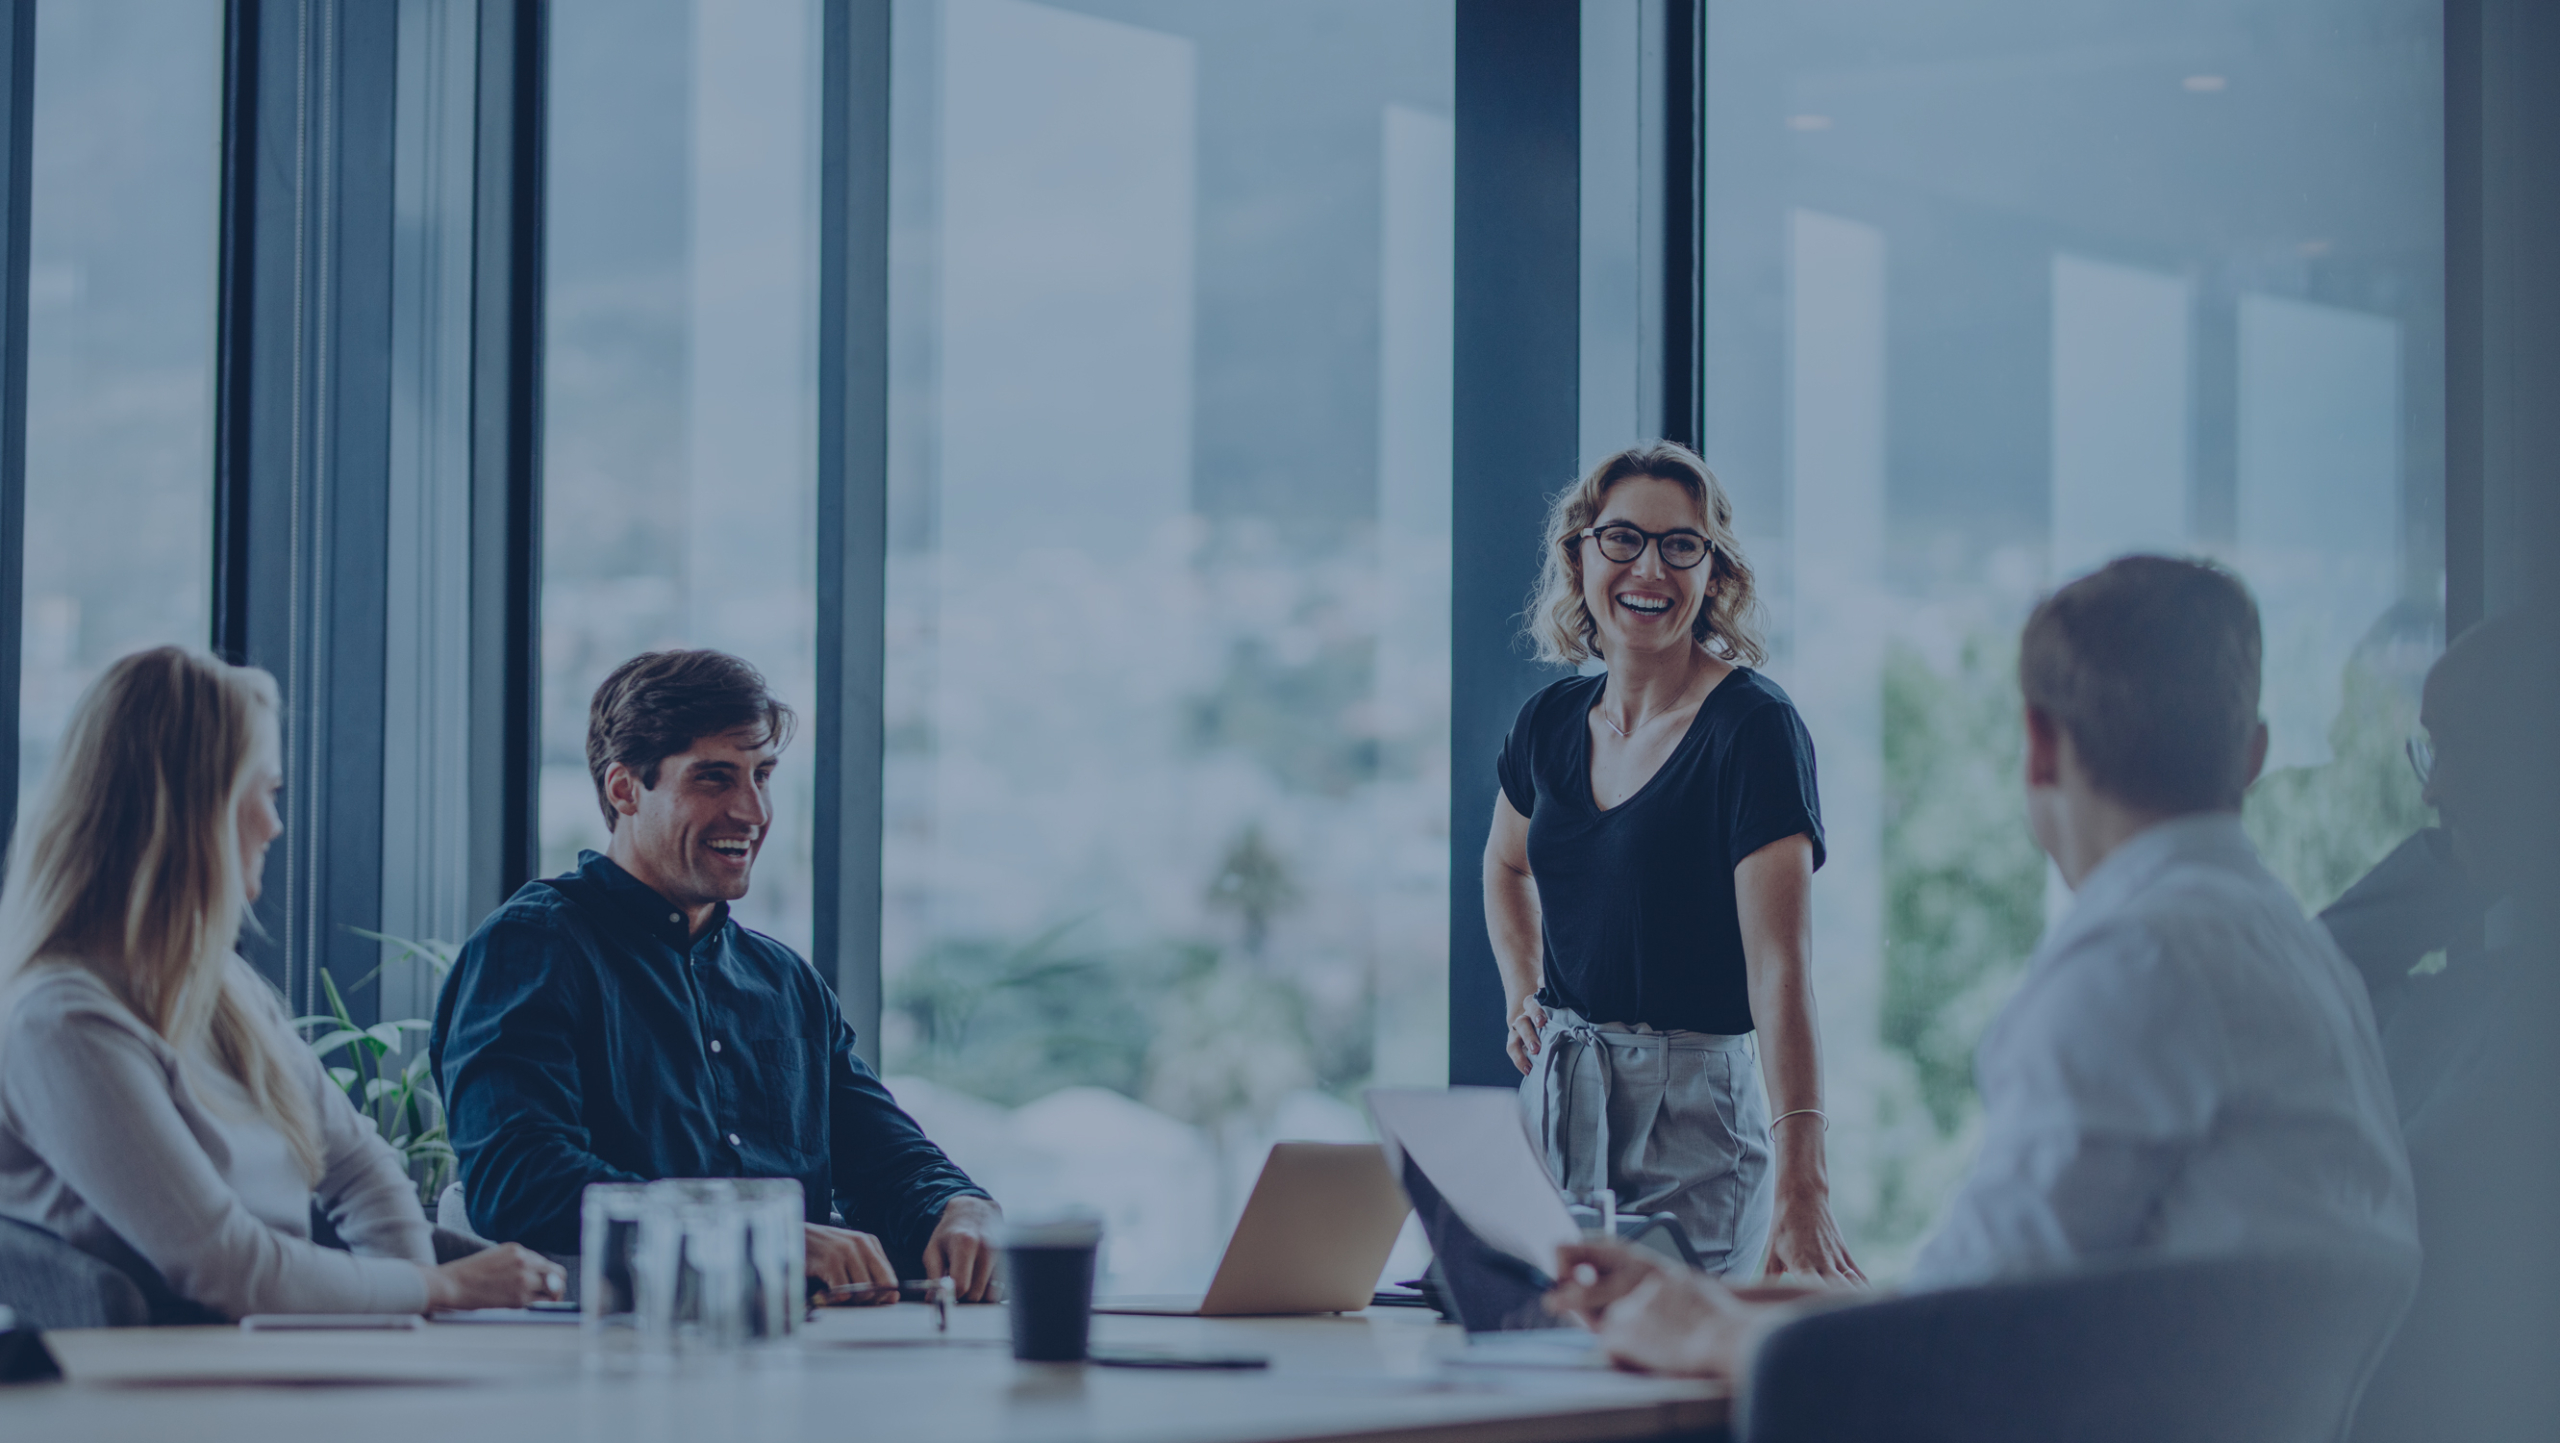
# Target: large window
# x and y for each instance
(120, 339)
(679, 450)
(1996, 292)
(1166, 848)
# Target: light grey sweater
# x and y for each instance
(113, 1139)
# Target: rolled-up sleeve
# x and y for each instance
(891, 1179)
(505, 1045)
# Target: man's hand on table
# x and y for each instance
(963, 1248)
(1654, 1317)
(838, 1256)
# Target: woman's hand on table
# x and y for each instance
(1805, 1243)
(1528, 1019)
(508, 1275)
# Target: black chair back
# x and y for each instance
(2262, 1350)
(49, 1283)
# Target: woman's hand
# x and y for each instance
(509, 1275)
(1805, 1243)
(1527, 1020)
(1652, 1317)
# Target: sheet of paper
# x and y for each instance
(227, 1355)
(1470, 1142)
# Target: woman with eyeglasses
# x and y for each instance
(1648, 880)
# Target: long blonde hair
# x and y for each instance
(128, 864)
(1560, 625)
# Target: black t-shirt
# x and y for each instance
(1641, 924)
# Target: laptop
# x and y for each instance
(1494, 1218)
(1313, 1238)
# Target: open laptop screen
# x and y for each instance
(1492, 1213)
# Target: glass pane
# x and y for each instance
(1997, 292)
(1167, 851)
(125, 197)
(679, 432)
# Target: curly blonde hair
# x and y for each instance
(1561, 627)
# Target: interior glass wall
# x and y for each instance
(1166, 837)
(680, 379)
(125, 197)
(1996, 292)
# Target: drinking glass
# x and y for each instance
(692, 1266)
(777, 1257)
(608, 1233)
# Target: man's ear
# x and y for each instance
(2044, 749)
(622, 789)
(2257, 755)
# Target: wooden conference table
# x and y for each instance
(873, 1374)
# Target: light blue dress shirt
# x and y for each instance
(2189, 1069)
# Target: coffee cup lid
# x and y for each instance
(1068, 1231)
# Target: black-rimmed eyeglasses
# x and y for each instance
(1622, 543)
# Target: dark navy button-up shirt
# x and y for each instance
(585, 1036)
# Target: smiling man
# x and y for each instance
(616, 1024)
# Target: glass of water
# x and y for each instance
(608, 1236)
(691, 1266)
(777, 1260)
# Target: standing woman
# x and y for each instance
(156, 1109)
(1648, 881)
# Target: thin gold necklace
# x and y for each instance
(1625, 732)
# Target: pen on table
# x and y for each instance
(940, 1292)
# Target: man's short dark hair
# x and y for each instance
(660, 703)
(2150, 664)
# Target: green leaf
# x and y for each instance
(375, 1090)
(337, 1003)
(385, 1033)
(323, 1046)
(436, 954)
(343, 1076)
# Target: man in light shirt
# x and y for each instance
(2189, 1068)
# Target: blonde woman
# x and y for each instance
(156, 1109)
(1648, 879)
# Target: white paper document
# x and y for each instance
(1472, 1145)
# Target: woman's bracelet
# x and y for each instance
(1804, 1112)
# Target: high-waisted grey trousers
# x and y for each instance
(1671, 1121)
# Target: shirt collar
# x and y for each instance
(2140, 858)
(641, 904)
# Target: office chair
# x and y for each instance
(2258, 1350)
(51, 1284)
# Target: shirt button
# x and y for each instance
(676, 917)
(733, 1139)
(715, 1044)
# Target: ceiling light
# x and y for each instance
(1808, 122)
(2207, 84)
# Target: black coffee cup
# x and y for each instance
(1049, 1287)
